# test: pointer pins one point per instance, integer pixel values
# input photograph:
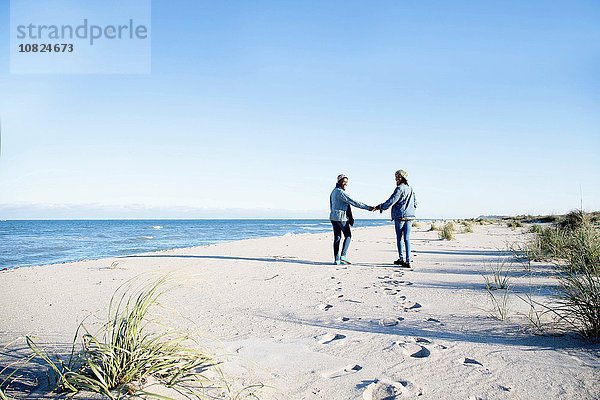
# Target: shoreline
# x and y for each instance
(70, 261)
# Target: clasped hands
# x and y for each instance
(378, 207)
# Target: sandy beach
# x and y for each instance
(278, 312)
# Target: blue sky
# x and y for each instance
(253, 107)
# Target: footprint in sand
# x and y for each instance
(414, 350)
(389, 390)
(471, 361)
(434, 321)
(329, 337)
(348, 369)
(324, 307)
(416, 347)
(408, 305)
(389, 321)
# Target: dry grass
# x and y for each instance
(129, 352)
(447, 232)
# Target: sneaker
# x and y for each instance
(398, 262)
(345, 260)
(406, 265)
(337, 262)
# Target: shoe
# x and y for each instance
(345, 260)
(337, 262)
(398, 262)
(406, 265)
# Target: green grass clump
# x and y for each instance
(127, 354)
(514, 223)
(499, 277)
(573, 220)
(467, 227)
(579, 302)
(447, 231)
(574, 245)
(535, 228)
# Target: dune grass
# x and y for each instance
(500, 305)
(447, 231)
(499, 277)
(126, 355)
(467, 226)
(433, 227)
(573, 243)
(514, 223)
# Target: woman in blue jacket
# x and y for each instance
(341, 218)
(404, 204)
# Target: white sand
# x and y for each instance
(283, 315)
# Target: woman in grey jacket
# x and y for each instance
(341, 218)
(404, 204)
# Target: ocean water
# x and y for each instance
(27, 243)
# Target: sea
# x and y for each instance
(28, 243)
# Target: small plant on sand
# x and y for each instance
(513, 224)
(416, 224)
(433, 227)
(500, 305)
(467, 227)
(447, 231)
(126, 356)
(499, 278)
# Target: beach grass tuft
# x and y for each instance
(467, 226)
(573, 244)
(126, 355)
(514, 223)
(499, 277)
(447, 231)
(500, 305)
(433, 227)
(578, 302)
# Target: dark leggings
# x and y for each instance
(338, 229)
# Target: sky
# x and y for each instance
(252, 108)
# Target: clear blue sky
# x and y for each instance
(253, 107)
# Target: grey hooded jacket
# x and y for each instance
(403, 203)
(338, 204)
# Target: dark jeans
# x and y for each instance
(338, 229)
(403, 238)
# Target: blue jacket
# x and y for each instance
(338, 204)
(403, 203)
